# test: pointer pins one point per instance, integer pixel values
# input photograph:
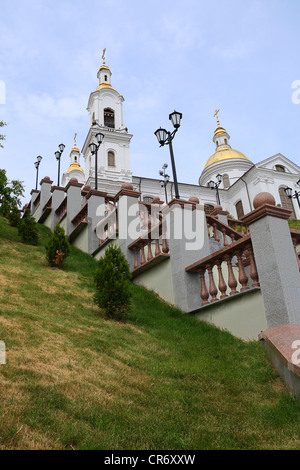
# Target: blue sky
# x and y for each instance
(192, 56)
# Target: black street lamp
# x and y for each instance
(216, 185)
(94, 149)
(37, 164)
(165, 138)
(289, 193)
(58, 155)
(165, 181)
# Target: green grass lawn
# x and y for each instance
(162, 380)
(294, 224)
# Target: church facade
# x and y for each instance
(241, 179)
(242, 272)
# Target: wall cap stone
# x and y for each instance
(265, 210)
(280, 339)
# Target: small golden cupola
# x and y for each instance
(104, 75)
(75, 158)
(223, 149)
(225, 160)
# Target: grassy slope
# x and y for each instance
(163, 380)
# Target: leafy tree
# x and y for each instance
(58, 247)
(2, 137)
(112, 284)
(10, 194)
(27, 229)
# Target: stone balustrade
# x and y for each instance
(222, 233)
(241, 251)
(239, 226)
(150, 249)
(61, 211)
(108, 227)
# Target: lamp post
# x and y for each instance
(58, 155)
(216, 185)
(165, 138)
(165, 181)
(289, 192)
(37, 164)
(94, 149)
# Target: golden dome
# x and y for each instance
(219, 130)
(225, 153)
(75, 166)
(75, 149)
(106, 85)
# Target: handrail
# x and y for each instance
(226, 231)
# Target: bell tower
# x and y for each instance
(105, 108)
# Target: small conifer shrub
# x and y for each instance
(27, 229)
(14, 217)
(112, 284)
(58, 247)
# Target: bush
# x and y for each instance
(112, 278)
(58, 247)
(27, 229)
(14, 217)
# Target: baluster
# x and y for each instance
(231, 278)
(157, 247)
(208, 231)
(142, 249)
(253, 268)
(165, 246)
(224, 236)
(295, 246)
(136, 257)
(204, 292)
(222, 283)
(150, 255)
(212, 286)
(216, 233)
(242, 230)
(243, 278)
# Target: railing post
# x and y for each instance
(96, 212)
(58, 195)
(73, 190)
(276, 262)
(186, 286)
(34, 194)
(128, 214)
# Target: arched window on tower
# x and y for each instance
(109, 118)
(287, 203)
(280, 168)
(225, 141)
(226, 181)
(111, 160)
(239, 210)
(105, 78)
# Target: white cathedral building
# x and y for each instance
(241, 179)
